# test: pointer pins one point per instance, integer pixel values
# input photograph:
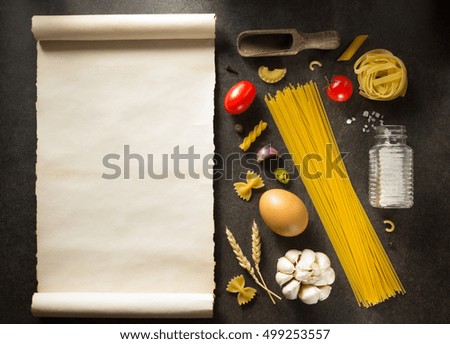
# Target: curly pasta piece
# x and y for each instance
(251, 137)
(237, 285)
(391, 227)
(381, 75)
(314, 63)
(244, 190)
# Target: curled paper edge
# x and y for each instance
(129, 305)
(123, 27)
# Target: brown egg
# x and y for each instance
(283, 212)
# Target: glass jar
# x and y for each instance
(391, 169)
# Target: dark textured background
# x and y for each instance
(416, 31)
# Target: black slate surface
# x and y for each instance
(415, 31)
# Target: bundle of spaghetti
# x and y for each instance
(301, 118)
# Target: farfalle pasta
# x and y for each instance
(244, 190)
(244, 294)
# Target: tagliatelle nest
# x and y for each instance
(244, 294)
(381, 75)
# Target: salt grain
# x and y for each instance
(373, 119)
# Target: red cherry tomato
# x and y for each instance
(340, 88)
(239, 97)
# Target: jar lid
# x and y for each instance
(390, 131)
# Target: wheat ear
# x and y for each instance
(256, 255)
(243, 261)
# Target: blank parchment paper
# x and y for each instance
(124, 165)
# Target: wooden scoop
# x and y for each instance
(283, 42)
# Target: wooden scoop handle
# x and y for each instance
(283, 42)
(325, 40)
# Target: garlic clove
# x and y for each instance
(327, 277)
(330, 275)
(306, 259)
(291, 290)
(293, 255)
(283, 278)
(266, 152)
(302, 275)
(322, 260)
(316, 271)
(324, 292)
(309, 294)
(312, 280)
(285, 266)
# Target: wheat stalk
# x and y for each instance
(244, 262)
(256, 245)
(242, 259)
(256, 253)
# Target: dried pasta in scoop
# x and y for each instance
(381, 75)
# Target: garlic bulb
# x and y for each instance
(305, 274)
